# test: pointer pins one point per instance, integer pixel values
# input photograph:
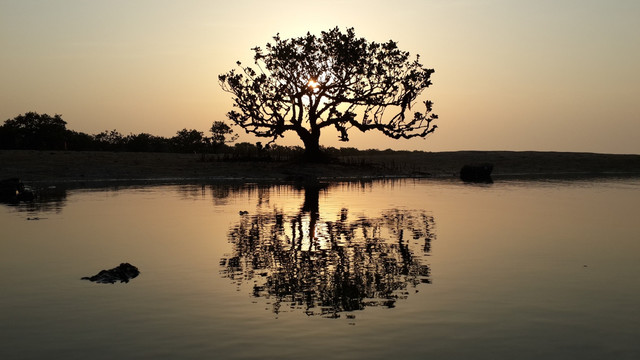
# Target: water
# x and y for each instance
(407, 269)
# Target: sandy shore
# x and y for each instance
(69, 166)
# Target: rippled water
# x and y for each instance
(405, 269)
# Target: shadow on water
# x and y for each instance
(324, 266)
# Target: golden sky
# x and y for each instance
(560, 75)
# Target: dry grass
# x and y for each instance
(61, 166)
(511, 163)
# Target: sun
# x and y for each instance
(313, 84)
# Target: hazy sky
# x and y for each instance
(560, 75)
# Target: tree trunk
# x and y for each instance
(312, 151)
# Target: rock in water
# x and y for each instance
(13, 191)
(480, 173)
(123, 273)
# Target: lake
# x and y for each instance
(407, 269)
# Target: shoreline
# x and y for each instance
(48, 167)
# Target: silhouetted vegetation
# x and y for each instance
(306, 84)
(33, 131)
(221, 134)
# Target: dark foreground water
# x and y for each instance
(400, 270)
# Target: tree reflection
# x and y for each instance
(325, 267)
(221, 193)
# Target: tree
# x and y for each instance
(77, 140)
(145, 142)
(219, 132)
(110, 140)
(34, 131)
(188, 141)
(309, 83)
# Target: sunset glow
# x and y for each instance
(313, 84)
(504, 70)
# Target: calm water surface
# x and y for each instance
(407, 270)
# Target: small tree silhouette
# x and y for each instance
(219, 133)
(309, 83)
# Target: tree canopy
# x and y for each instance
(34, 131)
(219, 132)
(310, 83)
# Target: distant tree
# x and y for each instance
(144, 142)
(245, 151)
(34, 131)
(7, 138)
(278, 152)
(309, 83)
(110, 140)
(188, 141)
(221, 133)
(80, 141)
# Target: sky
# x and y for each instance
(545, 75)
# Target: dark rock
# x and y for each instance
(13, 191)
(123, 273)
(478, 173)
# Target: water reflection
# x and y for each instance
(329, 264)
(222, 193)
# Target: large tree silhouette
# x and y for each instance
(309, 83)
